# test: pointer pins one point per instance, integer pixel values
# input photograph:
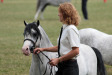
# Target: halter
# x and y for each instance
(34, 44)
(31, 50)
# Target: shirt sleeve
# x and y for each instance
(73, 38)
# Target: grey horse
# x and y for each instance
(41, 5)
(99, 40)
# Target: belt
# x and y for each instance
(68, 60)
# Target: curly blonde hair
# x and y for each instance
(69, 14)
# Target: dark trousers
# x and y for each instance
(84, 9)
(69, 67)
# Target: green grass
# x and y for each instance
(14, 12)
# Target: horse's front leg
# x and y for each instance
(37, 13)
(35, 69)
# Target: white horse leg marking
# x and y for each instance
(36, 15)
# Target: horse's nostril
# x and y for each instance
(26, 48)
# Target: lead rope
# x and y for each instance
(46, 64)
(46, 69)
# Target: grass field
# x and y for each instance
(14, 12)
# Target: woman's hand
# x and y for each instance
(37, 50)
(54, 61)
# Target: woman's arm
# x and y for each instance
(71, 54)
(50, 49)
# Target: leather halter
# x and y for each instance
(34, 44)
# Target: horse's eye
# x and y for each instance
(34, 34)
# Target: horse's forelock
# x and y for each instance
(31, 26)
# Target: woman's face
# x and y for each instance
(60, 16)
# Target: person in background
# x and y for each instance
(84, 9)
(68, 43)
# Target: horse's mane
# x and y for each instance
(45, 36)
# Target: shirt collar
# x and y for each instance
(64, 26)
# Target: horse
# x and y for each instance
(32, 31)
(89, 60)
(41, 5)
(99, 40)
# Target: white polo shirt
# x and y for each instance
(69, 38)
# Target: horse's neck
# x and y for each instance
(45, 42)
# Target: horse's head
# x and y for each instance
(32, 36)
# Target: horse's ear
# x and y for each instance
(25, 23)
(38, 22)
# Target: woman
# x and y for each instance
(69, 42)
